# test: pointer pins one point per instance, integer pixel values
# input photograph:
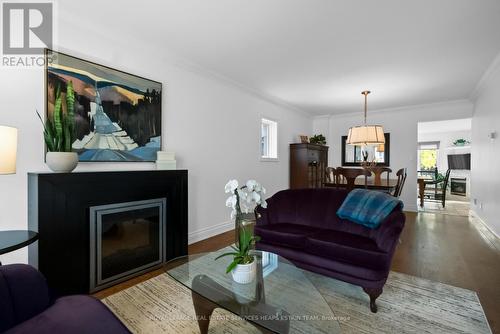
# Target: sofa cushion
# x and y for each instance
(285, 234)
(73, 314)
(348, 248)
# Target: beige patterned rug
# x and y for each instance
(408, 305)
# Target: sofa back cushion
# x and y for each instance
(312, 207)
(23, 294)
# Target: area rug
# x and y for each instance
(408, 305)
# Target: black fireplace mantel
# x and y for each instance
(58, 209)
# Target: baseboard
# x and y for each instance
(475, 215)
(208, 232)
(411, 208)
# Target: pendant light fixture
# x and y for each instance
(365, 135)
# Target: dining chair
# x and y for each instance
(332, 175)
(350, 175)
(378, 171)
(401, 174)
(438, 193)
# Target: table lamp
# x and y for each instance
(8, 149)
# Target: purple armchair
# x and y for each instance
(26, 307)
(302, 226)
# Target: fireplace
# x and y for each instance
(99, 228)
(458, 186)
(126, 239)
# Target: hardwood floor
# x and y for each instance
(454, 250)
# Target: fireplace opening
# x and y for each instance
(458, 186)
(126, 239)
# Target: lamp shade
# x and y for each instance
(366, 135)
(8, 149)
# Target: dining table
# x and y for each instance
(422, 184)
(386, 185)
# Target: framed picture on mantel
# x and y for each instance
(117, 115)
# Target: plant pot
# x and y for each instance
(245, 273)
(61, 162)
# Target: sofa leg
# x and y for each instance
(373, 293)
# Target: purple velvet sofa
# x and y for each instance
(26, 307)
(302, 226)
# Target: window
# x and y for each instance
(427, 156)
(268, 140)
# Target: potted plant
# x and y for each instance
(59, 132)
(461, 142)
(318, 139)
(243, 200)
(243, 268)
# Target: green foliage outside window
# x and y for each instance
(428, 159)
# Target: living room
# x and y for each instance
(171, 100)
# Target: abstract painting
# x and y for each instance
(117, 114)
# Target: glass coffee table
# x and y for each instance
(280, 300)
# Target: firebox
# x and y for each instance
(458, 186)
(126, 239)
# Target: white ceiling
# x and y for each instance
(464, 124)
(318, 55)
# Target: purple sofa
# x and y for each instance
(302, 226)
(26, 307)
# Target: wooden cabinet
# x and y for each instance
(308, 164)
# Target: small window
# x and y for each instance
(268, 139)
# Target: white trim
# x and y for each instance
(410, 208)
(475, 215)
(208, 232)
(197, 69)
(174, 59)
(269, 159)
(485, 78)
(407, 108)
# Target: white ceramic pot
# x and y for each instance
(61, 162)
(245, 273)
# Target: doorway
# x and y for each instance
(443, 165)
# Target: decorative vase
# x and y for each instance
(61, 162)
(245, 273)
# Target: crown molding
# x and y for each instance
(485, 78)
(408, 108)
(217, 76)
(185, 64)
(326, 116)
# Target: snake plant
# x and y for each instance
(59, 130)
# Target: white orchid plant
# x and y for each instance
(243, 199)
(246, 198)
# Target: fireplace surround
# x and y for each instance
(141, 215)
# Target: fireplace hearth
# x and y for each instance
(97, 229)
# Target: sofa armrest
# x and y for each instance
(262, 215)
(387, 234)
(24, 294)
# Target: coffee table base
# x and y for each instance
(204, 307)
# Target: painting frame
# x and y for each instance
(158, 119)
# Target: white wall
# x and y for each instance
(486, 152)
(212, 125)
(401, 123)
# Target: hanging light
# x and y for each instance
(366, 134)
